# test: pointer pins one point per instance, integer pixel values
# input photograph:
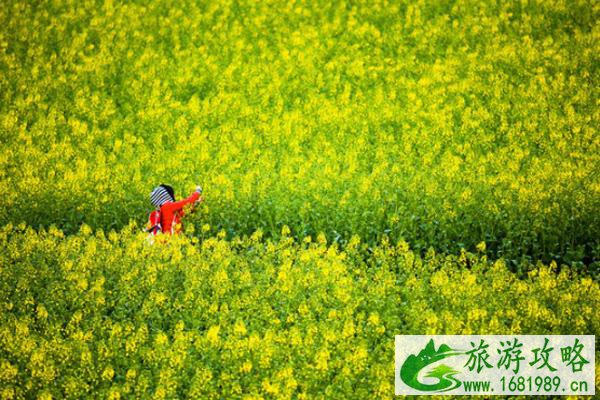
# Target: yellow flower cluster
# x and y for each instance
(249, 318)
(441, 123)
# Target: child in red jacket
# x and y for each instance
(167, 216)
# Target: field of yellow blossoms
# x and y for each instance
(370, 168)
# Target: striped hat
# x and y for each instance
(160, 195)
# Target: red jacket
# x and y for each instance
(171, 213)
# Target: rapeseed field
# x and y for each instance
(370, 168)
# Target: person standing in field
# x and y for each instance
(166, 218)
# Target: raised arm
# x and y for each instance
(178, 205)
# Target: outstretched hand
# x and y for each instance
(200, 198)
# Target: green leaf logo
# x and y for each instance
(409, 371)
